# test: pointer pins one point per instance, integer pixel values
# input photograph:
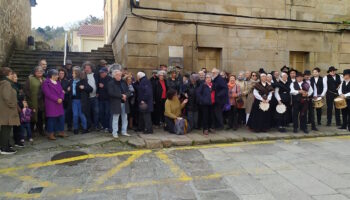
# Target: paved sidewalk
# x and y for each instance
(162, 139)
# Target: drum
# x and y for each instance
(281, 108)
(318, 103)
(340, 103)
(264, 106)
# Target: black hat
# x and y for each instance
(103, 70)
(298, 74)
(284, 68)
(346, 72)
(307, 73)
(331, 69)
(293, 70)
(262, 71)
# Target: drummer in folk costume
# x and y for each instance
(344, 92)
(310, 113)
(282, 95)
(300, 91)
(319, 85)
(333, 83)
(260, 120)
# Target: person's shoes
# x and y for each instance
(85, 131)
(282, 130)
(69, 129)
(51, 137)
(295, 131)
(7, 151)
(62, 135)
(211, 130)
(305, 131)
(106, 130)
(31, 140)
(126, 134)
(148, 132)
(234, 128)
(205, 132)
(76, 131)
(342, 128)
(314, 129)
(116, 136)
(19, 145)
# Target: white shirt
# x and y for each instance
(340, 92)
(325, 86)
(92, 83)
(258, 96)
(296, 92)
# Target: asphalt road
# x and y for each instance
(307, 169)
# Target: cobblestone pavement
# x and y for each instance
(314, 168)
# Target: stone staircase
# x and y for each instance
(23, 61)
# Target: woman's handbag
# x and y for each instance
(181, 126)
(143, 106)
(239, 102)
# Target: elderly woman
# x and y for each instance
(67, 104)
(243, 98)
(259, 120)
(234, 91)
(250, 96)
(145, 102)
(206, 99)
(9, 114)
(118, 95)
(160, 95)
(173, 109)
(35, 98)
(54, 97)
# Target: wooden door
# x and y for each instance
(209, 58)
(298, 60)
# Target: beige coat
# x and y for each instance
(8, 105)
(243, 85)
(250, 96)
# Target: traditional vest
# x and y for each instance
(333, 84)
(345, 88)
(284, 91)
(319, 84)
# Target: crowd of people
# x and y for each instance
(109, 98)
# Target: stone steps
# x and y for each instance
(23, 61)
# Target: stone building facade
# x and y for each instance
(231, 35)
(15, 26)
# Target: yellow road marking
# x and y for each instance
(173, 167)
(115, 170)
(183, 177)
(30, 179)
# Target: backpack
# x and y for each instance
(181, 126)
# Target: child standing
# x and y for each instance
(26, 114)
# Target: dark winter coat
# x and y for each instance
(145, 93)
(158, 90)
(115, 91)
(221, 90)
(103, 92)
(204, 95)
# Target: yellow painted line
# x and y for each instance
(30, 179)
(11, 195)
(173, 167)
(221, 145)
(67, 160)
(119, 167)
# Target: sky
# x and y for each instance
(64, 12)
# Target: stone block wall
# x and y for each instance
(15, 26)
(244, 43)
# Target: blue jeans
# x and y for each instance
(26, 127)
(104, 113)
(93, 118)
(77, 113)
(55, 124)
(115, 122)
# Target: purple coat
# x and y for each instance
(52, 93)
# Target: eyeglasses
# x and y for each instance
(253, 75)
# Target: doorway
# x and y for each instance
(299, 60)
(209, 58)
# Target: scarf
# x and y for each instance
(74, 86)
(263, 90)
